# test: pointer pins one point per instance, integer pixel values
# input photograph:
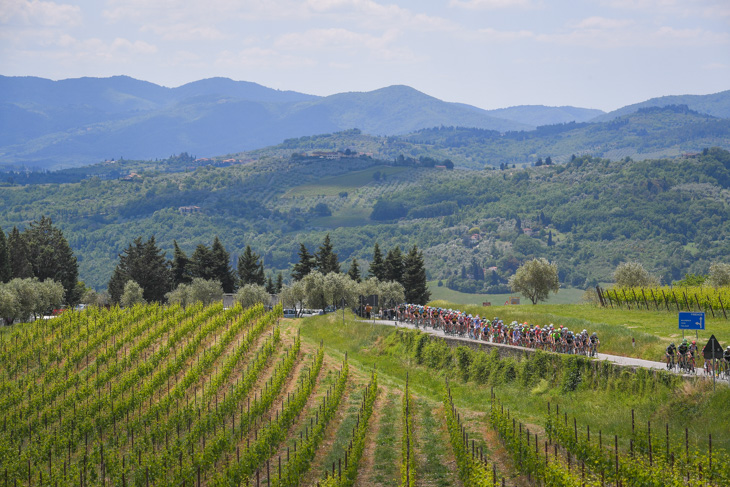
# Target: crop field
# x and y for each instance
(155, 395)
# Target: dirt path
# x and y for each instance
(379, 463)
(436, 462)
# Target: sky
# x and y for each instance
(601, 54)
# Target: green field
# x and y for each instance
(332, 186)
(206, 396)
(564, 296)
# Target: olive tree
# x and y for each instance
(340, 287)
(293, 295)
(719, 275)
(633, 274)
(201, 290)
(391, 293)
(314, 289)
(252, 294)
(132, 294)
(21, 299)
(535, 279)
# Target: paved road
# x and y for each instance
(636, 362)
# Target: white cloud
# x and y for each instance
(603, 23)
(95, 49)
(35, 12)
(682, 8)
(349, 43)
(493, 35)
(490, 4)
(185, 32)
(262, 58)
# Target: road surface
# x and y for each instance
(617, 359)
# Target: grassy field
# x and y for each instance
(371, 346)
(347, 182)
(564, 296)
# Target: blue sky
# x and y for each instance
(488, 53)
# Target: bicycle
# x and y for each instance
(670, 361)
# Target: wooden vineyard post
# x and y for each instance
(676, 301)
(721, 305)
(645, 302)
(666, 301)
(656, 305)
(600, 296)
(709, 303)
(686, 303)
(615, 449)
(626, 298)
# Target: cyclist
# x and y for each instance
(671, 349)
(594, 344)
(726, 360)
(692, 350)
(683, 353)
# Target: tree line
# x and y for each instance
(145, 263)
(38, 271)
(408, 270)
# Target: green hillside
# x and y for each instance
(671, 214)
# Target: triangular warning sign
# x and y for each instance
(713, 349)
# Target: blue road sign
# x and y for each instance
(691, 321)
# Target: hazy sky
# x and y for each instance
(489, 53)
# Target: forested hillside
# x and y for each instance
(475, 227)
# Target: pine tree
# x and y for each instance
(305, 264)
(377, 266)
(5, 272)
(250, 269)
(354, 271)
(145, 264)
(51, 257)
(222, 266)
(414, 278)
(279, 283)
(270, 288)
(325, 259)
(202, 263)
(180, 266)
(394, 265)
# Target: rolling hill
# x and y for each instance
(716, 104)
(53, 124)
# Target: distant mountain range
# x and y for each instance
(52, 124)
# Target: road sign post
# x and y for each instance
(691, 321)
(713, 350)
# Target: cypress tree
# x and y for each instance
(325, 259)
(377, 266)
(222, 266)
(51, 257)
(5, 273)
(270, 287)
(202, 263)
(180, 266)
(279, 283)
(305, 264)
(250, 269)
(414, 278)
(394, 265)
(354, 271)
(145, 264)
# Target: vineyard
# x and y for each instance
(692, 298)
(200, 396)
